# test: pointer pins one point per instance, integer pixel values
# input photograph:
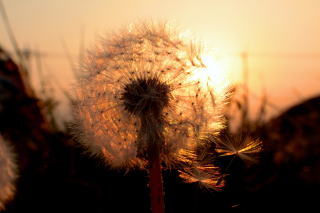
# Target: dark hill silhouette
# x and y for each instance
(294, 138)
(288, 174)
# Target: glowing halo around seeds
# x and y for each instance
(144, 71)
(213, 73)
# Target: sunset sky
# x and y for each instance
(282, 37)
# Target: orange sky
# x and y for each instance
(282, 37)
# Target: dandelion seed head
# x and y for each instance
(137, 88)
(7, 174)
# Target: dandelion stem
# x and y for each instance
(152, 131)
(156, 188)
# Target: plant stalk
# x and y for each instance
(155, 184)
(151, 132)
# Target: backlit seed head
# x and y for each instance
(138, 89)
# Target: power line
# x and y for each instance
(261, 54)
(286, 55)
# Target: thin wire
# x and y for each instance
(286, 55)
(292, 56)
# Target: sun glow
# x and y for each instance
(214, 73)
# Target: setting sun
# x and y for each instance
(214, 74)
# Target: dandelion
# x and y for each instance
(7, 174)
(207, 176)
(139, 104)
(243, 147)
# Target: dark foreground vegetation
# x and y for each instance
(56, 176)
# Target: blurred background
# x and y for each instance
(269, 50)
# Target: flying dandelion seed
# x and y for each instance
(244, 147)
(206, 176)
(7, 174)
(139, 103)
(200, 169)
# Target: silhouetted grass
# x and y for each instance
(56, 176)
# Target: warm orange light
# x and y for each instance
(214, 73)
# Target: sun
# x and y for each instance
(214, 73)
